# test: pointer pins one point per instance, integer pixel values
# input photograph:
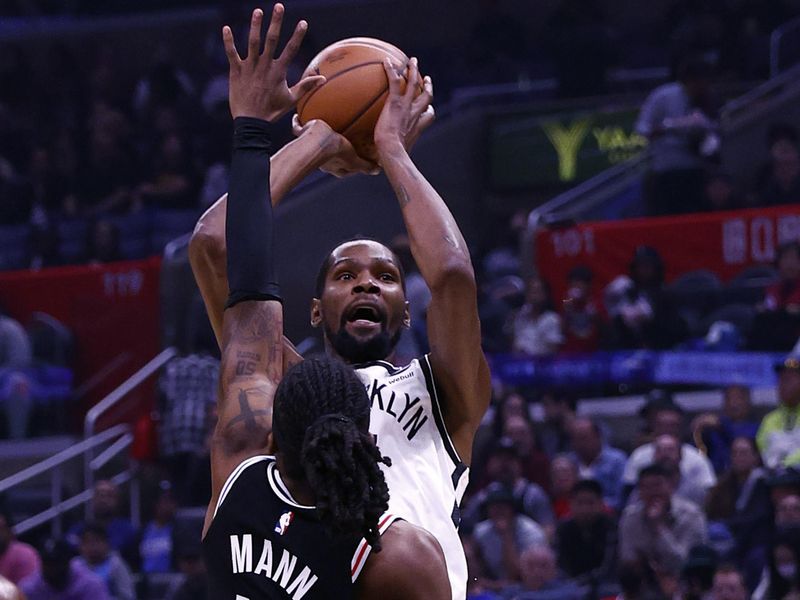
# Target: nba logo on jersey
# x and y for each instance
(283, 523)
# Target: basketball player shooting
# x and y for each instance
(424, 414)
(297, 524)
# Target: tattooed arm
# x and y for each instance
(250, 372)
(441, 253)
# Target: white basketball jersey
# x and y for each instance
(427, 478)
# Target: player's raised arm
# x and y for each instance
(252, 323)
(317, 146)
(441, 253)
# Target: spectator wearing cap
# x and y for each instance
(642, 314)
(717, 432)
(657, 531)
(97, 556)
(540, 579)
(596, 460)
(18, 560)
(8, 591)
(740, 501)
(505, 467)
(586, 542)
(779, 434)
(62, 578)
(157, 542)
(505, 535)
(728, 585)
(667, 419)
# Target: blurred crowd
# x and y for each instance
(703, 506)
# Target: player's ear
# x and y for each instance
(406, 316)
(316, 312)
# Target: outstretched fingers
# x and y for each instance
(293, 45)
(254, 37)
(230, 46)
(305, 85)
(274, 31)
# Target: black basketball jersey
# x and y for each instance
(264, 545)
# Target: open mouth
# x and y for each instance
(365, 315)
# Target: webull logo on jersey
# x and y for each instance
(284, 573)
(407, 411)
(283, 523)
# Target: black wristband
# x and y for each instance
(249, 221)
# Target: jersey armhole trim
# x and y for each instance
(248, 462)
(438, 415)
(363, 549)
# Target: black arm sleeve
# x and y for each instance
(249, 233)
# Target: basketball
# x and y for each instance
(351, 99)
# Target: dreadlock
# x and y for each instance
(320, 426)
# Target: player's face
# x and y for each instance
(363, 306)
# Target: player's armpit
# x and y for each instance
(410, 566)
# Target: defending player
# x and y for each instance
(424, 415)
(291, 525)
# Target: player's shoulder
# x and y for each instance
(411, 564)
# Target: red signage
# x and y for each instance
(724, 243)
(112, 310)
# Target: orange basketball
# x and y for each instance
(351, 99)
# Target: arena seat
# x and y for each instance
(13, 246)
(697, 290)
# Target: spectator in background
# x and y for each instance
(676, 119)
(692, 484)
(781, 578)
(106, 509)
(188, 387)
(505, 467)
(157, 542)
(505, 535)
(777, 324)
(564, 476)
(787, 513)
(740, 501)
(173, 182)
(16, 355)
(596, 460)
(536, 327)
(62, 578)
(559, 410)
(540, 578)
(103, 243)
(586, 542)
(535, 464)
(193, 584)
(97, 556)
(657, 531)
(720, 192)
(728, 585)
(694, 467)
(779, 434)
(641, 312)
(18, 560)
(697, 574)
(779, 180)
(718, 431)
(8, 591)
(580, 315)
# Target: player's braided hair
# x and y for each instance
(320, 426)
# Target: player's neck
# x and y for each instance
(298, 488)
(331, 351)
